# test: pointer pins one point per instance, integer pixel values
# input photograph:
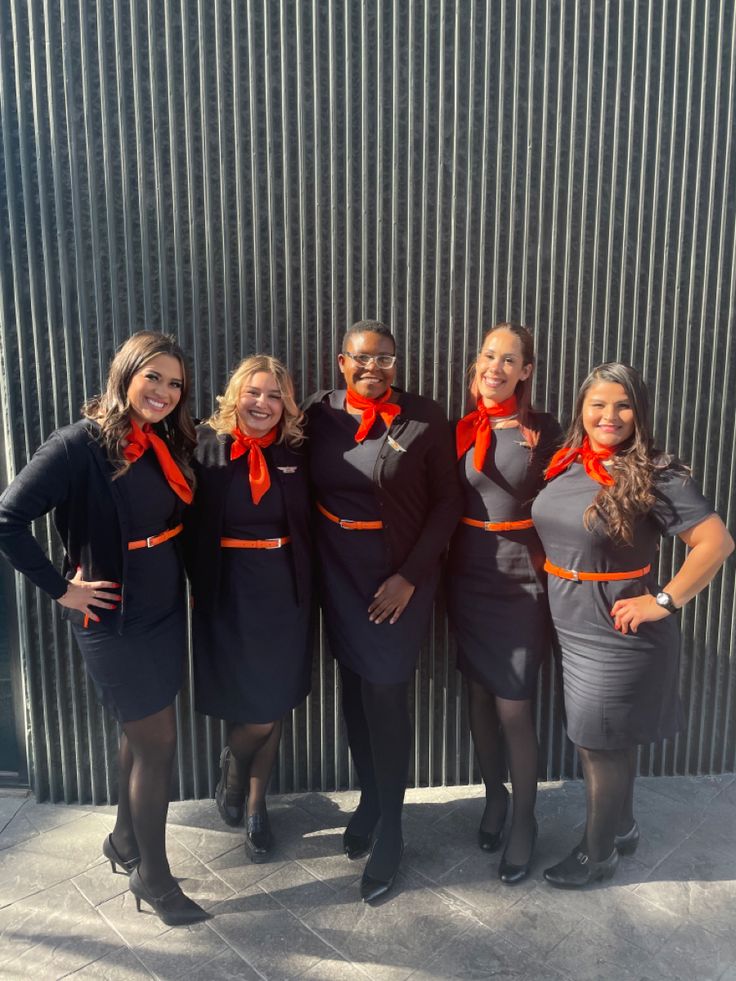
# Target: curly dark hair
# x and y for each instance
(110, 410)
(635, 463)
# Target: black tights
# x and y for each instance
(146, 758)
(490, 716)
(609, 791)
(379, 734)
(254, 746)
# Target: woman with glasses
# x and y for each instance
(383, 470)
(496, 597)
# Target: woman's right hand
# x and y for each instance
(81, 595)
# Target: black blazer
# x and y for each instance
(71, 475)
(204, 519)
(415, 480)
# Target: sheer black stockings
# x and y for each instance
(609, 790)
(254, 747)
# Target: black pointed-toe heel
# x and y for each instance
(511, 874)
(230, 803)
(628, 843)
(114, 858)
(174, 908)
(258, 837)
(372, 888)
(577, 871)
(355, 846)
(491, 841)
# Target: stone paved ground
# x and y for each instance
(670, 912)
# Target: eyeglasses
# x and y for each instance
(384, 361)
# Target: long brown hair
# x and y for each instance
(523, 391)
(635, 462)
(291, 423)
(110, 410)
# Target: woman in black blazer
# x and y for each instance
(382, 463)
(117, 482)
(249, 560)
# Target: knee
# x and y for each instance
(515, 716)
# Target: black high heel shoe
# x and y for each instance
(628, 843)
(258, 837)
(491, 841)
(511, 874)
(174, 908)
(114, 858)
(577, 871)
(372, 888)
(230, 803)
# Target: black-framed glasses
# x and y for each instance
(384, 361)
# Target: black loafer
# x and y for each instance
(491, 841)
(511, 874)
(577, 871)
(258, 837)
(355, 846)
(628, 843)
(230, 803)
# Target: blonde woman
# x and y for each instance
(249, 560)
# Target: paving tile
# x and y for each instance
(100, 883)
(297, 889)
(181, 950)
(693, 791)
(536, 923)
(79, 840)
(17, 829)
(389, 939)
(46, 817)
(10, 805)
(227, 966)
(236, 869)
(335, 968)
(480, 953)
(694, 952)
(595, 952)
(206, 845)
(272, 941)
(121, 965)
(24, 872)
(53, 933)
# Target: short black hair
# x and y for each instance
(368, 327)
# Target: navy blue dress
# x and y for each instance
(620, 689)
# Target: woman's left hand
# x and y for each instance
(629, 613)
(390, 599)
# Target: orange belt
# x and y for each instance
(499, 525)
(155, 539)
(593, 576)
(350, 525)
(254, 542)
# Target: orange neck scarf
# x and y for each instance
(258, 476)
(370, 408)
(474, 429)
(139, 440)
(591, 459)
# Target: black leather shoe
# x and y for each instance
(174, 908)
(372, 888)
(230, 803)
(511, 874)
(491, 841)
(113, 856)
(258, 837)
(355, 846)
(628, 843)
(577, 871)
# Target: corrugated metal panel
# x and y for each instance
(258, 175)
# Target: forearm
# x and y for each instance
(700, 566)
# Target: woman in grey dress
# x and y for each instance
(611, 496)
(495, 578)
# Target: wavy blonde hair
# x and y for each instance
(291, 424)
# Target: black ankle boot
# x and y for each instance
(628, 843)
(258, 837)
(577, 871)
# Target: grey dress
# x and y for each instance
(496, 590)
(619, 689)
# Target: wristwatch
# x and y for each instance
(666, 601)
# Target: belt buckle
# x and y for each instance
(273, 543)
(487, 526)
(347, 524)
(574, 575)
(150, 541)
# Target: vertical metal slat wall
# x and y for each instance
(257, 175)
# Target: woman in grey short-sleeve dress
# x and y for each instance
(610, 497)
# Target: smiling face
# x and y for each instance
(370, 381)
(155, 389)
(608, 415)
(260, 404)
(500, 367)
